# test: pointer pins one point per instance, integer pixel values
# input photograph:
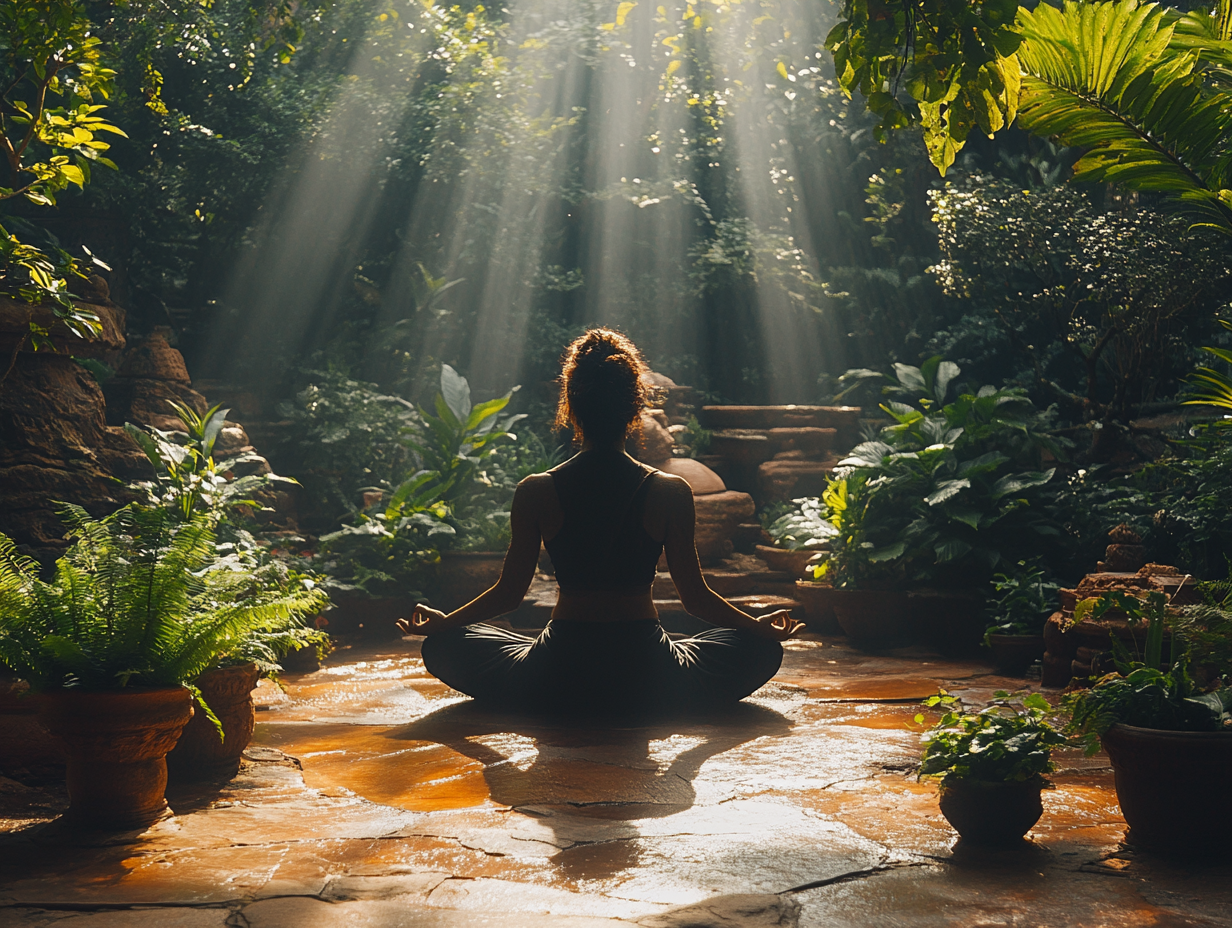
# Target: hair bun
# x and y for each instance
(603, 389)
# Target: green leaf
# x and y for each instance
(951, 550)
(946, 489)
(457, 393)
(888, 553)
(1016, 483)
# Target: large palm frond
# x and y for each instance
(1107, 77)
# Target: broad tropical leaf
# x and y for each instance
(1107, 77)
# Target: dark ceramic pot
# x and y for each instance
(1173, 786)
(116, 746)
(874, 620)
(952, 621)
(463, 575)
(1013, 654)
(817, 607)
(991, 813)
(200, 754)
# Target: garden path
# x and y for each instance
(375, 797)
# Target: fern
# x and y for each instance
(1113, 78)
(141, 599)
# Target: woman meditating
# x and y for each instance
(604, 519)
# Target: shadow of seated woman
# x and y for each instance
(588, 780)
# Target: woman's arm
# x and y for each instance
(695, 594)
(516, 575)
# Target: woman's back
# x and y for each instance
(603, 544)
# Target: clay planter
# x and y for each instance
(789, 562)
(952, 621)
(116, 745)
(991, 813)
(817, 607)
(463, 575)
(200, 754)
(874, 620)
(1172, 786)
(1013, 654)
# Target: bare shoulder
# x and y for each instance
(670, 488)
(536, 487)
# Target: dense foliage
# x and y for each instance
(1149, 690)
(1022, 600)
(944, 495)
(141, 599)
(1009, 741)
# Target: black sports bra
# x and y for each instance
(603, 543)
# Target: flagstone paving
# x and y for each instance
(375, 797)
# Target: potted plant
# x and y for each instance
(140, 606)
(865, 566)
(945, 495)
(456, 445)
(801, 531)
(227, 686)
(1021, 603)
(799, 535)
(991, 765)
(1166, 725)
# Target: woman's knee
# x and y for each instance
(439, 652)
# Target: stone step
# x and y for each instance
(843, 418)
(789, 479)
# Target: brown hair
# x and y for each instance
(603, 389)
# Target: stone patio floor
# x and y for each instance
(375, 797)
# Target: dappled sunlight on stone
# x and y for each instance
(371, 789)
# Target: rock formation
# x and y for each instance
(778, 452)
(151, 373)
(55, 443)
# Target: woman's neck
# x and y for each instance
(612, 447)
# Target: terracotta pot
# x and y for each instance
(817, 607)
(991, 813)
(790, 562)
(952, 621)
(200, 754)
(874, 620)
(465, 574)
(1172, 786)
(1013, 654)
(116, 745)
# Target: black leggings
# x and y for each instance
(601, 666)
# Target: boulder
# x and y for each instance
(789, 478)
(145, 402)
(153, 358)
(719, 516)
(701, 479)
(655, 442)
(55, 445)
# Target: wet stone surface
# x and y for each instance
(375, 796)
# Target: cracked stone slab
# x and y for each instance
(313, 913)
(345, 888)
(504, 896)
(1005, 888)
(159, 917)
(747, 911)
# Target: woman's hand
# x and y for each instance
(424, 620)
(777, 625)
